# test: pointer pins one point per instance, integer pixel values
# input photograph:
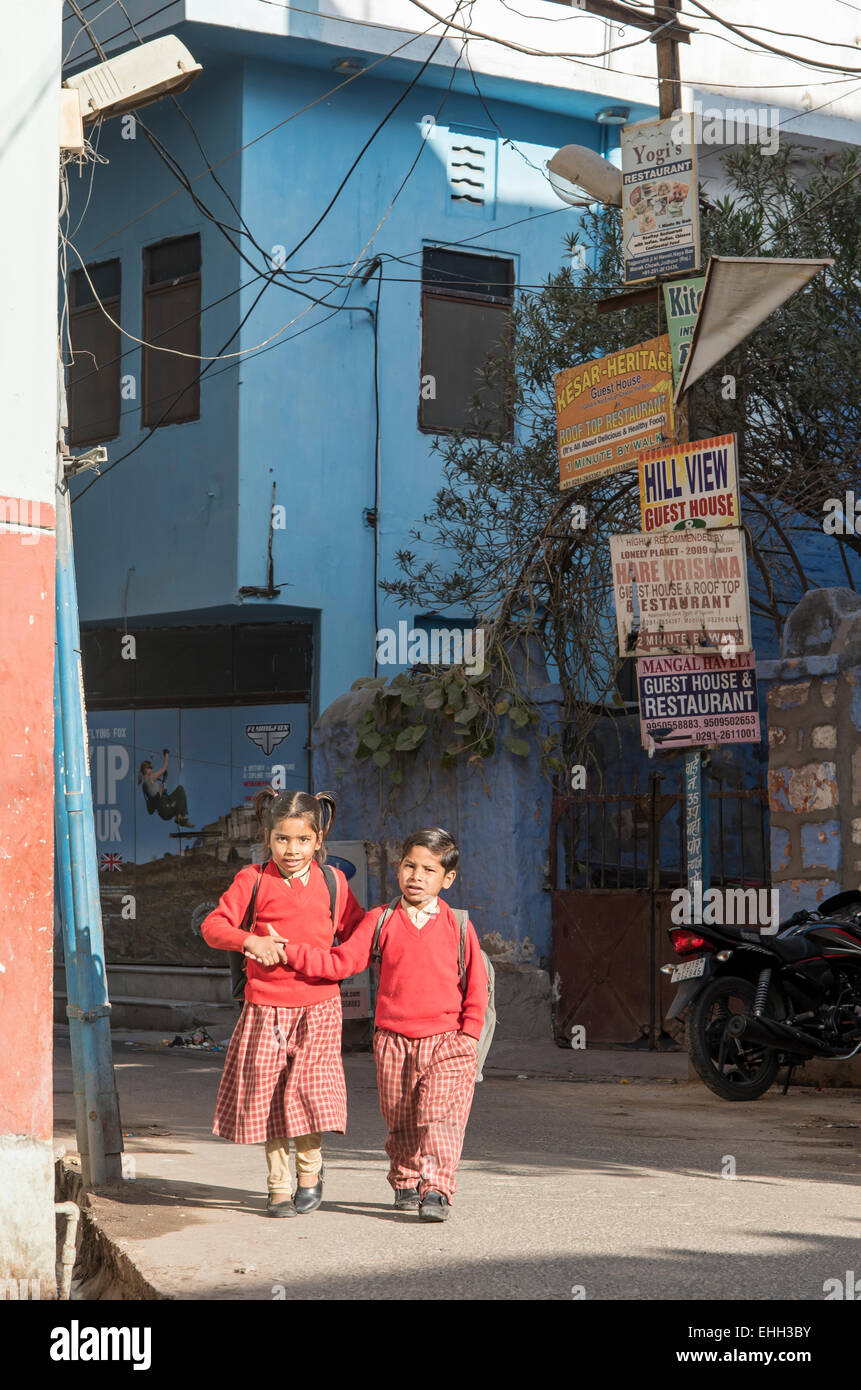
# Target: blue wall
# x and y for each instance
(181, 525)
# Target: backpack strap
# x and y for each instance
(461, 916)
(247, 923)
(376, 953)
(332, 884)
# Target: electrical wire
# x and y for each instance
(760, 43)
(263, 135)
(262, 346)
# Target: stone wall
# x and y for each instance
(814, 766)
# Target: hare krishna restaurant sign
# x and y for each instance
(609, 409)
(660, 208)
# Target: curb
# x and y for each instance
(102, 1271)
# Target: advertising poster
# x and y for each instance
(687, 701)
(660, 209)
(172, 795)
(690, 487)
(609, 409)
(681, 593)
(681, 304)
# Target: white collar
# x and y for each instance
(430, 909)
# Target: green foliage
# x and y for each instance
(497, 541)
(465, 715)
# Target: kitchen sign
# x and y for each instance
(681, 593)
(690, 487)
(611, 408)
(681, 305)
(690, 701)
(660, 206)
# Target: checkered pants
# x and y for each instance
(426, 1087)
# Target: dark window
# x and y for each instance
(217, 665)
(171, 319)
(94, 374)
(466, 321)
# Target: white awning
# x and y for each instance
(738, 295)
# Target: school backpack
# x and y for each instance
(461, 916)
(237, 959)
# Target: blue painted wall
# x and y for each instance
(182, 524)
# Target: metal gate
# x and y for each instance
(615, 858)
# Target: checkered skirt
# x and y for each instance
(283, 1074)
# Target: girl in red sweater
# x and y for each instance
(283, 1076)
(428, 1019)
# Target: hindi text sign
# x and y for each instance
(611, 408)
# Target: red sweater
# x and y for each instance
(294, 911)
(419, 992)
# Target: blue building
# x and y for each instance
(328, 230)
(333, 233)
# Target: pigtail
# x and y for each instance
(262, 808)
(327, 803)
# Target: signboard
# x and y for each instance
(690, 487)
(173, 793)
(660, 209)
(681, 593)
(609, 409)
(681, 303)
(687, 701)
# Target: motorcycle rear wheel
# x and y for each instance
(733, 1069)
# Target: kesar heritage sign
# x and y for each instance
(690, 487)
(610, 409)
(691, 701)
(681, 593)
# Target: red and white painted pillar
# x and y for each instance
(29, 157)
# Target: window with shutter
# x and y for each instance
(171, 319)
(94, 372)
(466, 321)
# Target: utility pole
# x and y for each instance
(667, 33)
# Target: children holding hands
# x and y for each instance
(283, 1078)
(429, 1017)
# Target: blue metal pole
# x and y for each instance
(88, 1009)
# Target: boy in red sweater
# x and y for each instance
(428, 1021)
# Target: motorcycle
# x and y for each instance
(758, 1002)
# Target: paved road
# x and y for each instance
(616, 1190)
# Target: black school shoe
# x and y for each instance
(283, 1208)
(434, 1207)
(307, 1199)
(406, 1199)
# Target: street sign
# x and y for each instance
(690, 487)
(660, 205)
(611, 408)
(690, 701)
(681, 592)
(681, 303)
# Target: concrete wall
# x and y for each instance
(814, 731)
(500, 818)
(29, 155)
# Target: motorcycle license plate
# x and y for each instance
(688, 970)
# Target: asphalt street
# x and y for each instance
(568, 1189)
